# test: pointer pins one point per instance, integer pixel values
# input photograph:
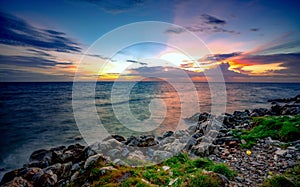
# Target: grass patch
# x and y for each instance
(278, 181)
(182, 169)
(202, 180)
(223, 169)
(283, 128)
(290, 178)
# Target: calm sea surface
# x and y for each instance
(40, 115)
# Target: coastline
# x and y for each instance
(212, 137)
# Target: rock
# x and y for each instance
(103, 170)
(137, 156)
(119, 162)
(165, 168)
(48, 179)
(12, 174)
(167, 134)
(224, 178)
(66, 170)
(39, 155)
(92, 159)
(243, 142)
(125, 152)
(172, 181)
(191, 129)
(56, 168)
(281, 152)
(33, 174)
(119, 138)
(232, 144)
(180, 133)
(142, 141)
(74, 176)
(259, 112)
(114, 153)
(192, 141)
(161, 155)
(239, 179)
(18, 182)
(288, 156)
(147, 141)
(200, 149)
(175, 147)
(75, 167)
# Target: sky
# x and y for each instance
(243, 41)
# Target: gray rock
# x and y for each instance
(161, 155)
(91, 160)
(114, 153)
(281, 152)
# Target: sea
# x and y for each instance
(43, 115)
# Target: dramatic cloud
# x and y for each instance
(137, 62)
(30, 61)
(206, 24)
(116, 6)
(212, 20)
(17, 32)
(175, 30)
(218, 57)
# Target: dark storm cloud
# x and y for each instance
(137, 62)
(212, 20)
(219, 57)
(30, 61)
(17, 32)
(116, 6)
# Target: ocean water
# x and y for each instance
(40, 115)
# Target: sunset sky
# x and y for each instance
(249, 41)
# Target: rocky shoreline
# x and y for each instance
(211, 137)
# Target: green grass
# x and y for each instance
(283, 128)
(223, 169)
(189, 172)
(201, 180)
(278, 181)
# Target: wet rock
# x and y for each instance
(39, 155)
(119, 138)
(12, 174)
(33, 174)
(167, 134)
(47, 179)
(66, 170)
(18, 182)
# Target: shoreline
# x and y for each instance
(209, 138)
